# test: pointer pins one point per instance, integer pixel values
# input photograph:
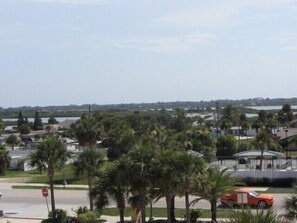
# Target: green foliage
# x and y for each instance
(52, 120)
(25, 129)
(87, 217)
(37, 124)
(87, 131)
(12, 140)
(119, 139)
(213, 185)
(257, 216)
(290, 206)
(4, 160)
(81, 210)
(226, 145)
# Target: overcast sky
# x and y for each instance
(61, 52)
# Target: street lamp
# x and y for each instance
(286, 131)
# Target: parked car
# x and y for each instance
(247, 197)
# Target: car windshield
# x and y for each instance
(254, 194)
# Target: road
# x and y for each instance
(31, 203)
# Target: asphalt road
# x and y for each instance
(31, 203)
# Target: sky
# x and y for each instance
(61, 52)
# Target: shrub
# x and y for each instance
(87, 217)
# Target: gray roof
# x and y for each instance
(290, 133)
(257, 153)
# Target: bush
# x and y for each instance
(265, 182)
(87, 217)
(61, 217)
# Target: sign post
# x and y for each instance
(44, 192)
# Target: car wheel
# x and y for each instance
(262, 204)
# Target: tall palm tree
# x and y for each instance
(263, 141)
(189, 166)
(89, 161)
(52, 154)
(212, 186)
(140, 164)
(167, 177)
(4, 159)
(112, 183)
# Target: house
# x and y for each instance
(19, 159)
(235, 130)
(287, 137)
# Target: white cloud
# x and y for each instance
(168, 44)
(220, 13)
(72, 2)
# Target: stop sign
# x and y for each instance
(44, 192)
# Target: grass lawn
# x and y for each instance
(39, 187)
(161, 212)
(35, 177)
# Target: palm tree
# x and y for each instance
(189, 167)
(167, 176)
(4, 159)
(258, 216)
(89, 161)
(212, 186)
(290, 205)
(12, 140)
(51, 154)
(87, 130)
(262, 142)
(112, 183)
(140, 163)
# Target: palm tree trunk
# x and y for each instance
(213, 211)
(121, 210)
(90, 195)
(168, 205)
(187, 206)
(172, 209)
(51, 181)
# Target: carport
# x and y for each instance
(251, 160)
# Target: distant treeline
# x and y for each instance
(79, 110)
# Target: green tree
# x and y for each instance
(213, 185)
(119, 139)
(89, 161)
(189, 167)
(262, 117)
(226, 145)
(2, 126)
(25, 129)
(87, 131)
(37, 125)
(140, 174)
(288, 114)
(262, 142)
(112, 184)
(180, 122)
(52, 154)
(12, 140)
(202, 141)
(52, 120)
(4, 160)
(167, 175)
(20, 119)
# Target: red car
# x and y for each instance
(247, 197)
